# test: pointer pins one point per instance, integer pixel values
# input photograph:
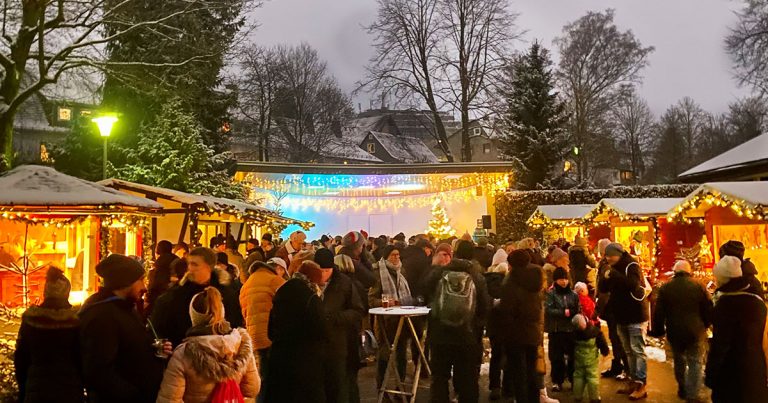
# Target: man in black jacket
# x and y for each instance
(737, 249)
(683, 312)
(457, 348)
(628, 302)
(119, 362)
(171, 313)
(160, 275)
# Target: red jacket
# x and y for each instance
(588, 308)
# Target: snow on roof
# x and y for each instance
(405, 149)
(642, 207)
(345, 149)
(356, 130)
(33, 186)
(751, 151)
(565, 211)
(753, 193)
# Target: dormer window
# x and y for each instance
(476, 131)
(65, 114)
(371, 147)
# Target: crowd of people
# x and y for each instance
(285, 321)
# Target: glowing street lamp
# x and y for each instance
(105, 124)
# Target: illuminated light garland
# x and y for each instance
(371, 204)
(716, 199)
(374, 185)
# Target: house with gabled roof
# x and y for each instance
(397, 149)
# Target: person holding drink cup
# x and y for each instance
(391, 289)
(119, 357)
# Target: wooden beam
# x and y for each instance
(183, 230)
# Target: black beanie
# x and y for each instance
(324, 258)
(519, 258)
(559, 273)
(464, 250)
(732, 248)
(119, 271)
(387, 251)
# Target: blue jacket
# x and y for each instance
(558, 300)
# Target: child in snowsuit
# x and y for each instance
(586, 376)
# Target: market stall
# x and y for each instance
(195, 219)
(558, 221)
(641, 226)
(51, 219)
(729, 211)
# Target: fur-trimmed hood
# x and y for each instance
(49, 318)
(219, 357)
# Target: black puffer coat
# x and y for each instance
(343, 312)
(522, 308)
(119, 363)
(494, 282)
(736, 369)
(683, 311)
(296, 328)
(558, 300)
(47, 357)
(625, 283)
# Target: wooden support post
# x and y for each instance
(183, 230)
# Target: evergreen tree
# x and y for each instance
(534, 118)
(170, 153)
(81, 152)
(440, 224)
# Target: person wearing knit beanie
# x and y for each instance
(557, 257)
(559, 274)
(353, 239)
(443, 255)
(464, 250)
(324, 258)
(57, 286)
(682, 266)
(119, 271)
(733, 248)
(729, 267)
(518, 258)
(614, 249)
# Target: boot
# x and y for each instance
(543, 398)
(639, 393)
(495, 394)
(627, 389)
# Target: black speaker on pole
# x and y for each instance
(487, 222)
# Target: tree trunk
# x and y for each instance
(466, 145)
(442, 136)
(6, 141)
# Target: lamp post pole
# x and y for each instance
(105, 124)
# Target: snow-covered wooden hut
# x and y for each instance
(730, 211)
(641, 226)
(48, 218)
(564, 221)
(195, 219)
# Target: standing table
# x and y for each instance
(405, 313)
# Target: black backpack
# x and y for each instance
(456, 302)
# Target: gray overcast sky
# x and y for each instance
(688, 35)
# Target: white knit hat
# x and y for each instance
(727, 268)
(580, 286)
(682, 266)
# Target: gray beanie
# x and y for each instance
(614, 249)
(56, 284)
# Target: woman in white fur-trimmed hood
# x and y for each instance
(212, 353)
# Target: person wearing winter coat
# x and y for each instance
(457, 349)
(522, 318)
(295, 244)
(580, 244)
(589, 343)
(117, 353)
(558, 258)
(482, 255)
(343, 312)
(582, 265)
(298, 334)
(353, 245)
(256, 299)
(222, 263)
(736, 249)
(619, 356)
(684, 312)
(499, 262)
(494, 281)
(736, 367)
(161, 273)
(47, 356)
(390, 283)
(211, 354)
(561, 306)
(170, 316)
(629, 304)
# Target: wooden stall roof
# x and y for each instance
(216, 204)
(564, 211)
(36, 188)
(750, 194)
(646, 207)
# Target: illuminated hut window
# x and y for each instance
(65, 114)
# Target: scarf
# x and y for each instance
(388, 287)
(291, 251)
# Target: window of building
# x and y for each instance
(44, 156)
(476, 131)
(567, 167)
(85, 112)
(626, 175)
(371, 147)
(65, 114)
(487, 148)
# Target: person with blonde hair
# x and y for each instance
(213, 357)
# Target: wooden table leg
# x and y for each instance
(391, 364)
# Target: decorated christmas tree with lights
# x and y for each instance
(440, 224)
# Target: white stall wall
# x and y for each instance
(463, 216)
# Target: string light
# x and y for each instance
(713, 198)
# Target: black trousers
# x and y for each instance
(521, 366)
(496, 365)
(464, 360)
(561, 348)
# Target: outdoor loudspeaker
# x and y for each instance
(486, 222)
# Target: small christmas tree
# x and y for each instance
(440, 224)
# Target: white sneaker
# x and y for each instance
(543, 398)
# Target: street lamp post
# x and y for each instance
(105, 124)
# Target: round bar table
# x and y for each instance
(404, 313)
